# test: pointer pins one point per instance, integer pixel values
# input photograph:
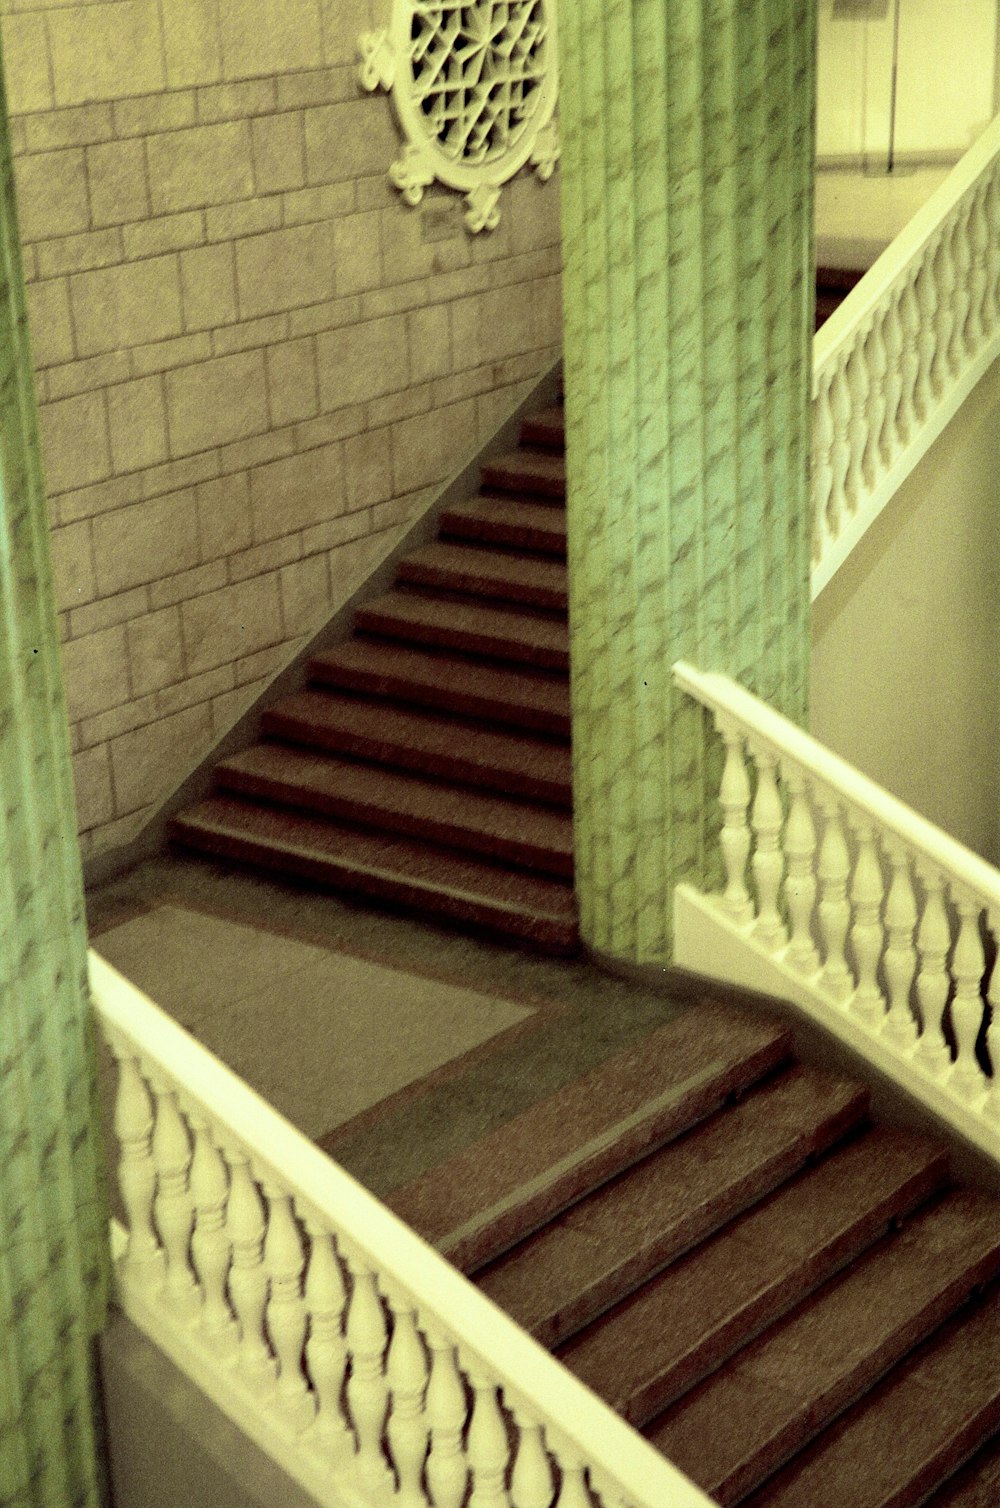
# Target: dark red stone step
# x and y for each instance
(494, 1193)
(477, 571)
(495, 632)
(977, 1485)
(907, 1437)
(648, 1350)
(545, 427)
(541, 473)
(533, 837)
(521, 522)
(518, 698)
(433, 881)
(447, 748)
(773, 1397)
(608, 1244)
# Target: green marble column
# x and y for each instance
(53, 1221)
(687, 182)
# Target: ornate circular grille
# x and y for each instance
(474, 90)
(477, 71)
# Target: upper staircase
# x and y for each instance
(427, 762)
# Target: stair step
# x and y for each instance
(536, 768)
(484, 573)
(774, 1396)
(531, 836)
(977, 1485)
(425, 878)
(644, 1353)
(541, 473)
(546, 427)
(496, 632)
(530, 525)
(518, 698)
(606, 1245)
(491, 1195)
(911, 1432)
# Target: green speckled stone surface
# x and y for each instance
(687, 225)
(53, 1221)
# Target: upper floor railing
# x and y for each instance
(349, 1349)
(899, 356)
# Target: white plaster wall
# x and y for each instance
(946, 79)
(905, 637)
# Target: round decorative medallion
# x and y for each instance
(474, 89)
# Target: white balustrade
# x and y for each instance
(897, 358)
(888, 914)
(370, 1369)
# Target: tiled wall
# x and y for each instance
(253, 361)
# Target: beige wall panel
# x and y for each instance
(152, 539)
(74, 441)
(26, 62)
(115, 307)
(191, 42)
(219, 400)
(269, 36)
(285, 268)
(204, 165)
(102, 51)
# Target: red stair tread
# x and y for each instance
(531, 836)
(430, 879)
(495, 1192)
(525, 698)
(769, 1400)
(650, 1348)
(546, 426)
(527, 470)
(482, 572)
(904, 1439)
(601, 1248)
(977, 1485)
(501, 633)
(528, 523)
(513, 763)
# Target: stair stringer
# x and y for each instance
(292, 676)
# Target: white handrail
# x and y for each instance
(844, 900)
(578, 1425)
(899, 356)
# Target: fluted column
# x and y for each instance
(53, 1222)
(687, 228)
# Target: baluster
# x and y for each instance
(876, 363)
(979, 236)
(447, 1469)
(247, 1279)
(866, 932)
(933, 942)
(927, 336)
(143, 1261)
(897, 414)
(825, 525)
(968, 965)
(992, 1105)
(961, 237)
(367, 1395)
(210, 1251)
(911, 405)
(856, 484)
(840, 453)
(173, 1209)
(834, 912)
(944, 328)
(991, 215)
(800, 882)
(487, 1444)
(768, 862)
(406, 1370)
(573, 1487)
(900, 954)
(734, 840)
(532, 1482)
(285, 1315)
(326, 1347)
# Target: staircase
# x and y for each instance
(427, 762)
(794, 1304)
